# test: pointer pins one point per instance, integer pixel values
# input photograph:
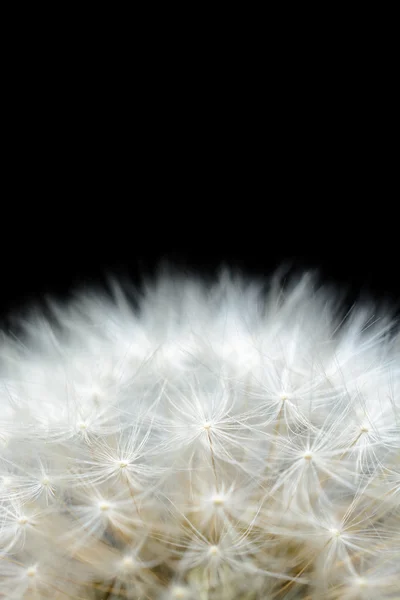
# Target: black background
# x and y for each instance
(111, 171)
(65, 240)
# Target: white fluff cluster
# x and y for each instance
(215, 441)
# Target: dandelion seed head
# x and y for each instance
(223, 440)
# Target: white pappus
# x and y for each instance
(201, 440)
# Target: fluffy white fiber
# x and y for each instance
(202, 441)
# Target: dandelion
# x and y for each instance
(232, 440)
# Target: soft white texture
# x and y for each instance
(201, 441)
